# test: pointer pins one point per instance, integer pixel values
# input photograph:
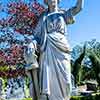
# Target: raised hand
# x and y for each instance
(77, 8)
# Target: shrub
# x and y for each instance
(91, 97)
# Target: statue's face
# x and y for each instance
(52, 3)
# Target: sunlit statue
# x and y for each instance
(54, 59)
(32, 68)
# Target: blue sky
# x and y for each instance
(87, 25)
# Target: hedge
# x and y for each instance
(91, 97)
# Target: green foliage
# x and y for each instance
(86, 64)
(93, 97)
(4, 68)
(90, 74)
(96, 65)
(27, 99)
(77, 67)
(94, 46)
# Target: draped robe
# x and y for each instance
(54, 61)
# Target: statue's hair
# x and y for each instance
(46, 1)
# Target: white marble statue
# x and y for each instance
(32, 68)
(54, 59)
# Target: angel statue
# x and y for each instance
(54, 49)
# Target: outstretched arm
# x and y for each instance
(77, 8)
(68, 15)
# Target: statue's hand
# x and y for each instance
(78, 7)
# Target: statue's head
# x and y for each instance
(48, 2)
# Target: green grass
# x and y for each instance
(95, 96)
(91, 97)
(27, 99)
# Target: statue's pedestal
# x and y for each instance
(34, 85)
(42, 97)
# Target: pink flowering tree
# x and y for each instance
(21, 19)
